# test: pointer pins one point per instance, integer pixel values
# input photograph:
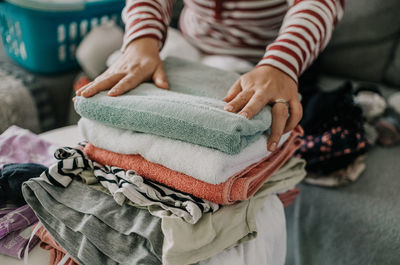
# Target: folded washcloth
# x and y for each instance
(202, 163)
(237, 188)
(191, 111)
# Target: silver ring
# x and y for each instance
(281, 100)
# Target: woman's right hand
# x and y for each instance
(140, 62)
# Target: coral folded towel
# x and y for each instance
(191, 111)
(237, 188)
(202, 163)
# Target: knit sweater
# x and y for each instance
(294, 31)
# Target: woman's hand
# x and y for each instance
(140, 62)
(261, 86)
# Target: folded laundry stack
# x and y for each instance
(162, 169)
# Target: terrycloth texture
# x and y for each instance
(13, 175)
(238, 187)
(191, 111)
(22, 146)
(84, 240)
(202, 163)
(57, 253)
(16, 220)
(125, 234)
(126, 185)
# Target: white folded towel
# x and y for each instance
(206, 164)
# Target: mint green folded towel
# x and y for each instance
(191, 111)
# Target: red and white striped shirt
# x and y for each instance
(294, 31)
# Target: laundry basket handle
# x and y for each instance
(72, 5)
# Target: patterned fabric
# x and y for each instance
(332, 150)
(296, 31)
(15, 244)
(17, 219)
(41, 117)
(126, 185)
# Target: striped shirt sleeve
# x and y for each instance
(146, 18)
(305, 32)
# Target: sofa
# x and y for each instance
(359, 223)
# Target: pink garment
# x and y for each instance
(15, 243)
(56, 251)
(16, 220)
(237, 188)
(289, 197)
(18, 145)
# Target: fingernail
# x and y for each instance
(244, 114)
(228, 108)
(111, 93)
(272, 147)
(160, 81)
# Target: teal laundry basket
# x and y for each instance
(43, 36)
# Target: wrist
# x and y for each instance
(148, 44)
(268, 69)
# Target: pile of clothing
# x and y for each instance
(340, 125)
(166, 176)
(382, 117)
(22, 156)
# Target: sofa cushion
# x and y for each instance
(364, 40)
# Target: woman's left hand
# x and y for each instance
(261, 86)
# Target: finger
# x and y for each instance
(255, 104)
(296, 112)
(127, 83)
(79, 91)
(233, 91)
(90, 84)
(160, 78)
(239, 101)
(101, 85)
(279, 116)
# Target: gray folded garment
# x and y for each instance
(85, 221)
(92, 231)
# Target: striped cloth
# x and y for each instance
(128, 184)
(294, 31)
